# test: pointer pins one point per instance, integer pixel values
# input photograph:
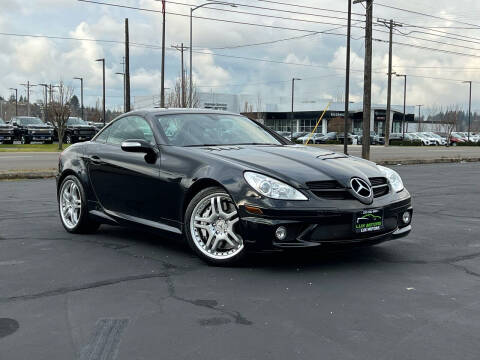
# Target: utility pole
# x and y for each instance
(28, 86)
(182, 48)
(367, 78)
(126, 80)
(162, 87)
(293, 100)
(81, 95)
(469, 109)
(390, 24)
(50, 91)
(16, 100)
(347, 80)
(103, 102)
(404, 103)
(45, 116)
(419, 107)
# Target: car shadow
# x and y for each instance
(310, 258)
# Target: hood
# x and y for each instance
(297, 164)
(81, 127)
(38, 126)
(6, 127)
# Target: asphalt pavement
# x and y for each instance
(128, 294)
(49, 160)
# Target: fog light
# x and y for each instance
(281, 233)
(406, 217)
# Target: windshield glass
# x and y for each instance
(1, 121)
(213, 129)
(29, 121)
(75, 121)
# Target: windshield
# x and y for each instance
(29, 121)
(1, 121)
(75, 121)
(213, 129)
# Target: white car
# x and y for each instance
(314, 137)
(416, 136)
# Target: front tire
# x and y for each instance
(211, 227)
(69, 140)
(25, 140)
(72, 206)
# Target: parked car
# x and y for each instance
(429, 140)
(455, 138)
(28, 129)
(285, 134)
(227, 185)
(297, 135)
(77, 130)
(97, 125)
(341, 136)
(330, 136)
(414, 136)
(374, 138)
(315, 137)
(6, 133)
(439, 139)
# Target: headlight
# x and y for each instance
(272, 188)
(393, 178)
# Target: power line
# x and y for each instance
(262, 8)
(424, 14)
(309, 7)
(207, 18)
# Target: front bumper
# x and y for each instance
(322, 227)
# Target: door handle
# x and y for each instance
(95, 160)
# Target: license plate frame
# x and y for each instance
(366, 221)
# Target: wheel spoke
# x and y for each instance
(209, 240)
(203, 219)
(215, 244)
(220, 209)
(212, 204)
(234, 237)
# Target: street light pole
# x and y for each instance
(81, 95)
(347, 80)
(124, 92)
(404, 103)
(45, 86)
(293, 100)
(191, 40)
(16, 100)
(469, 108)
(103, 63)
(419, 107)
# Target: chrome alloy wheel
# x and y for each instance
(70, 204)
(213, 225)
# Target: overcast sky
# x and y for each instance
(319, 59)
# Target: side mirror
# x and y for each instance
(138, 146)
(141, 146)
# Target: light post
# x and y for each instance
(404, 103)
(419, 107)
(293, 100)
(124, 92)
(103, 63)
(469, 108)
(16, 100)
(191, 39)
(45, 116)
(81, 94)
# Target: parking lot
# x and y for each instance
(137, 295)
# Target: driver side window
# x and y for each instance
(129, 128)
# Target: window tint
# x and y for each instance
(129, 128)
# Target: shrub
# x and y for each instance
(406, 142)
(468, 143)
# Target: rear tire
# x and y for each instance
(72, 206)
(211, 227)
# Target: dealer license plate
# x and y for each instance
(368, 220)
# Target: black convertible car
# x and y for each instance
(227, 184)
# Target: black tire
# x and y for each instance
(201, 196)
(25, 140)
(69, 140)
(8, 142)
(48, 142)
(85, 224)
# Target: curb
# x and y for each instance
(33, 174)
(49, 173)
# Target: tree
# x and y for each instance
(75, 104)
(174, 98)
(60, 109)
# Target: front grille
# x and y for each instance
(86, 132)
(379, 186)
(41, 132)
(333, 190)
(329, 189)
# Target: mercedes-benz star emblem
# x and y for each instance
(361, 190)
